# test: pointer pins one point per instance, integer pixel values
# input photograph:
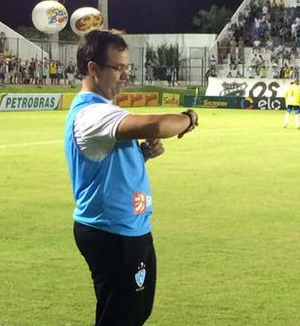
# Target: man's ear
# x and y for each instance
(92, 68)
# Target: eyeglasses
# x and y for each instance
(121, 69)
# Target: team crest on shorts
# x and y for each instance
(140, 276)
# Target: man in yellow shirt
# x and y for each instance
(292, 100)
(53, 72)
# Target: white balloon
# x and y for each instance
(49, 17)
(86, 19)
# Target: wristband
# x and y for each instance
(191, 119)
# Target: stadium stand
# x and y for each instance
(261, 40)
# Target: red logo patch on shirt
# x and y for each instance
(139, 203)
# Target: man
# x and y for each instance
(110, 183)
(213, 65)
(3, 41)
(292, 100)
(70, 70)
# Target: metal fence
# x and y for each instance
(190, 70)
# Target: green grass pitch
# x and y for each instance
(226, 224)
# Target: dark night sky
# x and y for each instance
(134, 16)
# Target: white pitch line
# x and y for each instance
(31, 144)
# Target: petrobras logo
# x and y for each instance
(30, 102)
(57, 15)
(89, 22)
(140, 202)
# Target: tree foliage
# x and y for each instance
(163, 57)
(213, 20)
(32, 33)
(151, 56)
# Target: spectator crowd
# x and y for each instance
(14, 70)
(272, 31)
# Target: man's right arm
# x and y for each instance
(149, 126)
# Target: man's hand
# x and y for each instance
(152, 148)
(193, 122)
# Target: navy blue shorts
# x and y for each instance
(293, 108)
(124, 274)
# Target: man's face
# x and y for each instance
(112, 76)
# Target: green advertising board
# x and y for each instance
(220, 102)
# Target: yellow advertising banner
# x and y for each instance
(169, 99)
(137, 99)
(67, 99)
(123, 100)
(151, 99)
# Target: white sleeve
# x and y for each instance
(95, 129)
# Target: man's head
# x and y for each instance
(94, 47)
(103, 60)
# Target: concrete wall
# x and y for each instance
(192, 49)
(19, 46)
(184, 41)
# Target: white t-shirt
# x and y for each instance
(95, 129)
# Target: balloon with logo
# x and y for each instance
(49, 17)
(86, 19)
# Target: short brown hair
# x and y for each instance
(93, 47)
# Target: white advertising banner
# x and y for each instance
(30, 102)
(272, 88)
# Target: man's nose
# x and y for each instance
(124, 75)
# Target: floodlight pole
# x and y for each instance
(103, 7)
(53, 40)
